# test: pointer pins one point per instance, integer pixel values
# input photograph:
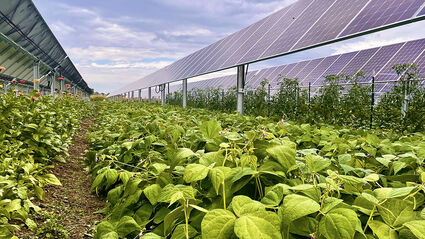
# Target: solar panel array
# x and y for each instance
(21, 22)
(302, 25)
(380, 59)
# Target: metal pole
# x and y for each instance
(309, 96)
(132, 96)
(62, 86)
(268, 100)
(149, 95)
(36, 78)
(140, 95)
(240, 88)
(184, 93)
(162, 94)
(405, 106)
(372, 100)
(52, 84)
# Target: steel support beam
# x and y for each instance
(184, 93)
(140, 95)
(132, 96)
(240, 84)
(150, 95)
(163, 95)
(36, 78)
(52, 84)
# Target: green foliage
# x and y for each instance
(34, 130)
(192, 173)
(342, 100)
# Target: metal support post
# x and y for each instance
(150, 95)
(162, 94)
(406, 95)
(140, 95)
(62, 86)
(309, 96)
(240, 88)
(52, 84)
(268, 99)
(132, 96)
(36, 78)
(184, 93)
(372, 100)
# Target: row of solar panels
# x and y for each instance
(302, 25)
(380, 59)
(21, 22)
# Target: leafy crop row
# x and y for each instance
(34, 130)
(174, 173)
(341, 100)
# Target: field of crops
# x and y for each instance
(34, 131)
(173, 173)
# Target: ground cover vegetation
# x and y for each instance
(169, 172)
(35, 130)
(341, 100)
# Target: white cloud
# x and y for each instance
(189, 32)
(61, 28)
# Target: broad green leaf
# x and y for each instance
(400, 192)
(180, 233)
(339, 223)
(417, 227)
(256, 225)
(242, 205)
(382, 230)
(52, 179)
(152, 193)
(217, 176)
(316, 163)
(274, 196)
(110, 235)
(284, 154)
(218, 223)
(151, 235)
(296, 206)
(304, 226)
(127, 225)
(104, 228)
(210, 129)
(396, 212)
(195, 172)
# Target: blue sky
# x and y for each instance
(114, 43)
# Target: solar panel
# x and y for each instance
(308, 68)
(302, 25)
(320, 69)
(381, 58)
(359, 61)
(327, 28)
(422, 12)
(280, 26)
(407, 54)
(287, 39)
(336, 67)
(383, 12)
(299, 67)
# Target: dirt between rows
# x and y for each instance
(72, 205)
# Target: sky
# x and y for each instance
(114, 43)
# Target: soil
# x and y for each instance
(73, 204)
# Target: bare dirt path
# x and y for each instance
(72, 206)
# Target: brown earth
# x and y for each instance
(72, 205)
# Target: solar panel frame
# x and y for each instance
(327, 33)
(288, 38)
(414, 7)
